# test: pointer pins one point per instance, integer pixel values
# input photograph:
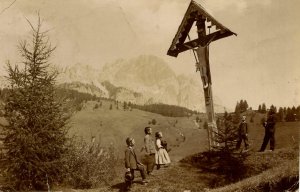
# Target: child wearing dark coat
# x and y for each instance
(132, 164)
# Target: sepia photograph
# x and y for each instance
(149, 96)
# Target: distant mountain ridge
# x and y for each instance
(145, 79)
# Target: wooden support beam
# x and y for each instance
(206, 80)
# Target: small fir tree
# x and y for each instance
(226, 160)
(227, 133)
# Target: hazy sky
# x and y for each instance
(261, 64)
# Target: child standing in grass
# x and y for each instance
(161, 156)
(150, 150)
(132, 164)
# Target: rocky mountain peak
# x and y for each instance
(143, 79)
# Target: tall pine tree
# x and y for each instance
(35, 136)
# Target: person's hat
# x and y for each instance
(128, 176)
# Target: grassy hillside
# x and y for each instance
(275, 172)
(286, 133)
(111, 127)
(271, 171)
(185, 139)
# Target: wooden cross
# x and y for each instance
(204, 22)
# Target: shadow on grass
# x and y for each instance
(209, 178)
(121, 187)
(218, 168)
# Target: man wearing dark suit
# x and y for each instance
(243, 133)
(132, 163)
(269, 132)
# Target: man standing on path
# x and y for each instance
(243, 133)
(150, 150)
(269, 132)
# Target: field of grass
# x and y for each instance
(286, 133)
(112, 127)
(185, 139)
(272, 171)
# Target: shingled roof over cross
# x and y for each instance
(194, 12)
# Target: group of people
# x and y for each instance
(157, 151)
(269, 126)
(156, 155)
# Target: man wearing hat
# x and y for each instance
(243, 133)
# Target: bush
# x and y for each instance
(153, 122)
(79, 107)
(96, 106)
(89, 165)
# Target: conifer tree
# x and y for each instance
(35, 136)
(291, 114)
(227, 133)
(284, 111)
(280, 114)
(245, 105)
(259, 109)
(237, 109)
(298, 113)
(273, 108)
(263, 108)
(228, 162)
